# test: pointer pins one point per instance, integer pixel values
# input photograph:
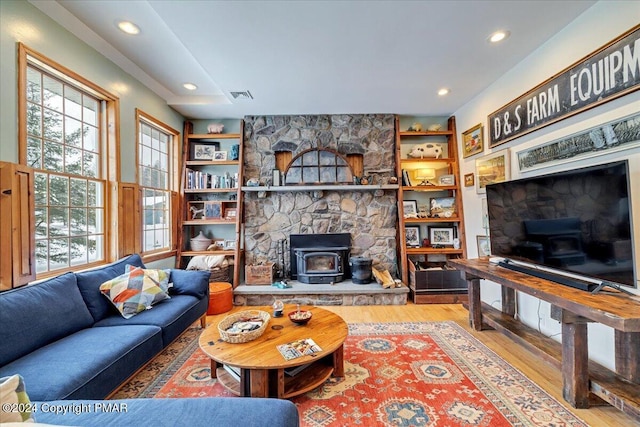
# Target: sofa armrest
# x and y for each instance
(190, 282)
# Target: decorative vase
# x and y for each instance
(200, 242)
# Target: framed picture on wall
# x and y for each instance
(473, 141)
(491, 169)
(468, 180)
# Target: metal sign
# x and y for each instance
(610, 72)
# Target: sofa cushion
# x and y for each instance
(89, 364)
(200, 411)
(190, 282)
(36, 315)
(136, 291)
(16, 406)
(174, 316)
(89, 283)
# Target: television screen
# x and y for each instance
(578, 221)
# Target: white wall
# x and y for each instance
(600, 24)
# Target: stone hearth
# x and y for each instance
(343, 293)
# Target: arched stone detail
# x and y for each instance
(318, 166)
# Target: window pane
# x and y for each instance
(42, 256)
(58, 221)
(72, 133)
(90, 138)
(90, 165)
(58, 253)
(79, 250)
(34, 85)
(73, 161)
(78, 221)
(59, 191)
(327, 158)
(34, 119)
(53, 157)
(34, 153)
(53, 125)
(40, 188)
(52, 94)
(41, 222)
(78, 192)
(310, 174)
(72, 102)
(90, 110)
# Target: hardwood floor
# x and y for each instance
(543, 374)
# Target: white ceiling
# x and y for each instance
(315, 57)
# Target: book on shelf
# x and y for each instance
(298, 348)
(233, 371)
(292, 372)
(406, 181)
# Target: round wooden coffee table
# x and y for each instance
(261, 366)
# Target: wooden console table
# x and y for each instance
(585, 382)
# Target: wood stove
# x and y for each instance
(320, 258)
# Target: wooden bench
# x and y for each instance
(585, 382)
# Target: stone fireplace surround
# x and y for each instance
(369, 216)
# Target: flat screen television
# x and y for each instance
(574, 224)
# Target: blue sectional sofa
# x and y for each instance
(73, 349)
(68, 341)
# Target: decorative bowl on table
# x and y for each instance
(300, 317)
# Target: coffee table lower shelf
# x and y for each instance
(278, 384)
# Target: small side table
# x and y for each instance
(220, 298)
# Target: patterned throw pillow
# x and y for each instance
(161, 275)
(15, 402)
(137, 290)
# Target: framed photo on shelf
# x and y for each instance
(484, 245)
(220, 155)
(412, 236)
(212, 210)
(472, 141)
(441, 235)
(491, 169)
(203, 150)
(410, 208)
(442, 207)
(468, 180)
(229, 244)
(230, 213)
(447, 180)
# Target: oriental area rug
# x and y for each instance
(396, 374)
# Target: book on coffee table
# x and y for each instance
(298, 348)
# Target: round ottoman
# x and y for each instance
(220, 297)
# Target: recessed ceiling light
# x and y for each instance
(190, 86)
(498, 36)
(129, 27)
(444, 91)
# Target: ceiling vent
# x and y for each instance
(244, 95)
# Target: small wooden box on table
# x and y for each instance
(584, 382)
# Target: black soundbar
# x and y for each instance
(563, 280)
